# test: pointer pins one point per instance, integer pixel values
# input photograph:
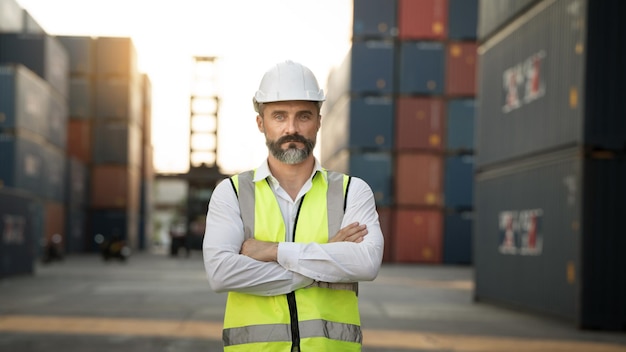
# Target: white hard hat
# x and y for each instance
(288, 81)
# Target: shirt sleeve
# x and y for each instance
(226, 269)
(341, 261)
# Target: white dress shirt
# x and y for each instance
(299, 264)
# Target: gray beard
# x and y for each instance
(291, 155)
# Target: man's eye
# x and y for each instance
(279, 117)
(305, 117)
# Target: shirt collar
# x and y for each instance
(263, 171)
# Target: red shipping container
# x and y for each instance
(54, 221)
(422, 19)
(79, 140)
(419, 123)
(461, 69)
(418, 236)
(115, 187)
(419, 179)
(385, 218)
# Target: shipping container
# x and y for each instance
(458, 183)
(54, 223)
(118, 98)
(20, 219)
(76, 184)
(374, 19)
(30, 24)
(376, 168)
(23, 164)
(116, 57)
(422, 19)
(24, 100)
(76, 240)
(457, 237)
(112, 223)
(418, 179)
(116, 142)
(460, 73)
(54, 168)
(385, 218)
(462, 19)
(57, 121)
(10, 16)
(494, 15)
(419, 123)
(82, 97)
(79, 140)
(549, 237)
(417, 236)
(114, 186)
(146, 110)
(41, 53)
(422, 66)
(367, 69)
(358, 124)
(81, 53)
(460, 117)
(547, 82)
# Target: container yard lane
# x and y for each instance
(158, 303)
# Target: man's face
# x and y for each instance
(290, 129)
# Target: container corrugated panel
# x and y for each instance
(460, 69)
(531, 90)
(10, 16)
(462, 19)
(23, 165)
(118, 98)
(24, 100)
(30, 24)
(422, 66)
(418, 236)
(57, 121)
(458, 184)
(82, 97)
(419, 179)
(495, 14)
(375, 169)
(560, 233)
(54, 160)
(114, 187)
(116, 57)
(41, 53)
(374, 19)
(111, 223)
(359, 124)
(419, 123)
(385, 218)
(422, 19)
(18, 226)
(460, 117)
(457, 237)
(116, 142)
(76, 183)
(81, 53)
(79, 140)
(76, 240)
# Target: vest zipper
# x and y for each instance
(291, 297)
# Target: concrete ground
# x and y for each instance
(155, 302)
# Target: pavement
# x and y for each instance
(154, 302)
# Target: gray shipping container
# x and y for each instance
(549, 237)
(23, 164)
(81, 53)
(553, 79)
(493, 14)
(24, 100)
(10, 16)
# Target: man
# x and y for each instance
(290, 240)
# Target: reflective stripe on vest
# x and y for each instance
(261, 322)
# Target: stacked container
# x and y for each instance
(399, 114)
(33, 119)
(550, 161)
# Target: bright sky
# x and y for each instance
(247, 35)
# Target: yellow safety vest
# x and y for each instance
(321, 317)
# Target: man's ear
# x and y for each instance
(259, 123)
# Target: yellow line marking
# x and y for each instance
(404, 340)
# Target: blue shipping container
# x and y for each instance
(462, 19)
(377, 170)
(81, 54)
(23, 164)
(457, 237)
(459, 182)
(422, 67)
(54, 160)
(116, 142)
(82, 100)
(460, 115)
(374, 19)
(20, 217)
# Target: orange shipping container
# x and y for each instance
(418, 236)
(419, 123)
(422, 19)
(115, 186)
(419, 179)
(79, 140)
(461, 69)
(54, 222)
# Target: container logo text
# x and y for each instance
(523, 83)
(520, 232)
(13, 229)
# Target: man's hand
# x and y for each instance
(260, 250)
(351, 233)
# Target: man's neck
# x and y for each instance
(291, 176)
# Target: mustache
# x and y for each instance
(292, 138)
